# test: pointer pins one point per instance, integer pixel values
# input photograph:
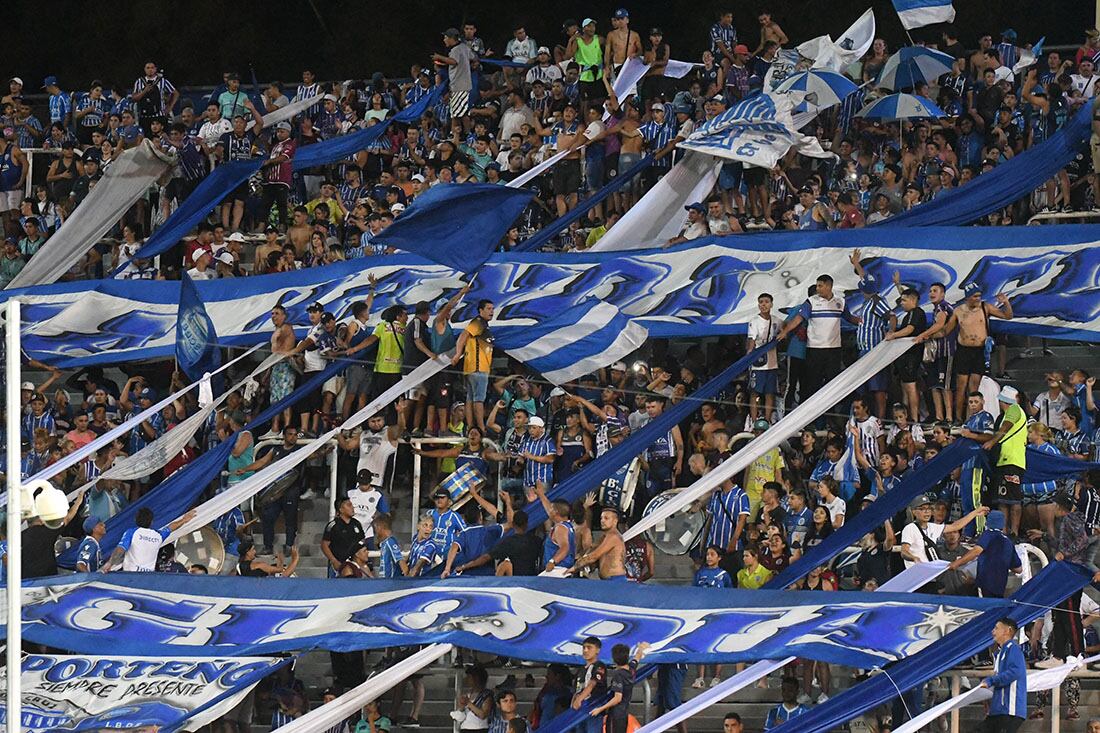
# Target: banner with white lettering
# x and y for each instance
(701, 288)
(93, 693)
(544, 619)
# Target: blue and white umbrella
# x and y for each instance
(913, 64)
(901, 107)
(820, 88)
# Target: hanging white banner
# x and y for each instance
(126, 180)
(91, 693)
(837, 389)
(240, 492)
(1039, 679)
(659, 215)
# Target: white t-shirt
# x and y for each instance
(823, 321)
(696, 230)
(211, 132)
(366, 506)
(911, 535)
(764, 330)
(375, 450)
(915, 431)
(196, 274)
(836, 507)
(1050, 411)
(314, 361)
(142, 546)
(1087, 85)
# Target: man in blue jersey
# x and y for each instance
(979, 427)
(560, 546)
(474, 541)
(88, 555)
(1008, 708)
(875, 322)
(391, 563)
(789, 708)
(446, 522)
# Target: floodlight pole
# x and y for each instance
(15, 554)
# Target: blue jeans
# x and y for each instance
(288, 507)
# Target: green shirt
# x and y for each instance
(589, 55)
(1014, 443)
(9, 268)
(391, 348)
(233, 104)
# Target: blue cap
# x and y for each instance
(90, 523)
(972, 288)
(868, 284)
(621, 13)
(1008, 34)
(696, 207)
(49, 81)
(147, 394)
(995, 520)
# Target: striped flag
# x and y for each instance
(574, 342)
(918, 13)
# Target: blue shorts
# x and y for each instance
(670, 686)
(764, 381)
(879, 383)
(729, 177)
(477, 386)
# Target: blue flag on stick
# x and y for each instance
(196, 340)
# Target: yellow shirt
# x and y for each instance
(478, 353)
(754, 580)
(761, 471)
(335, 213)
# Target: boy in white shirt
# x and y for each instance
(764, 375)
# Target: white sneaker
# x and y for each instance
(822, 698)
(716, 681)
(964, 683)
(1049, 663)
(804, 699)
(699, 683)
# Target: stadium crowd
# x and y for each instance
(517, 435)
(498, 121)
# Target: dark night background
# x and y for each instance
(194, 41)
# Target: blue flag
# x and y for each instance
(457, 225)
(919, 13)
(197, 349)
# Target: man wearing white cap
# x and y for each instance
(1011, 458)
(201, 271)
(537, 453)
(545, 70)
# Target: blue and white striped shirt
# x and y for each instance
(656, 137)
(875, 314)
(32, 422)
(533, 471)
(99, 107)
(61, 104)
(390, 559)
(727, 34)
(725, 507)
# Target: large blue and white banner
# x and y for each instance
(544, 619)
(758, 131)
(197, 349)
(93, 693)
(704, 287)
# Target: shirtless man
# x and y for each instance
(631, 149)
(299, 230)
(972, 318)
(769, 31)
(566, 177)
(609, 553)
(622, 43)
(281, 376)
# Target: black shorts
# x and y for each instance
(593, 91)
(566, 178)
(440, 393)
(969, 360)
(755, 175)
(1006, 485)
(241, 192)
(909, 367)
(939, 372)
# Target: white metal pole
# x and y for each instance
(15, 555)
